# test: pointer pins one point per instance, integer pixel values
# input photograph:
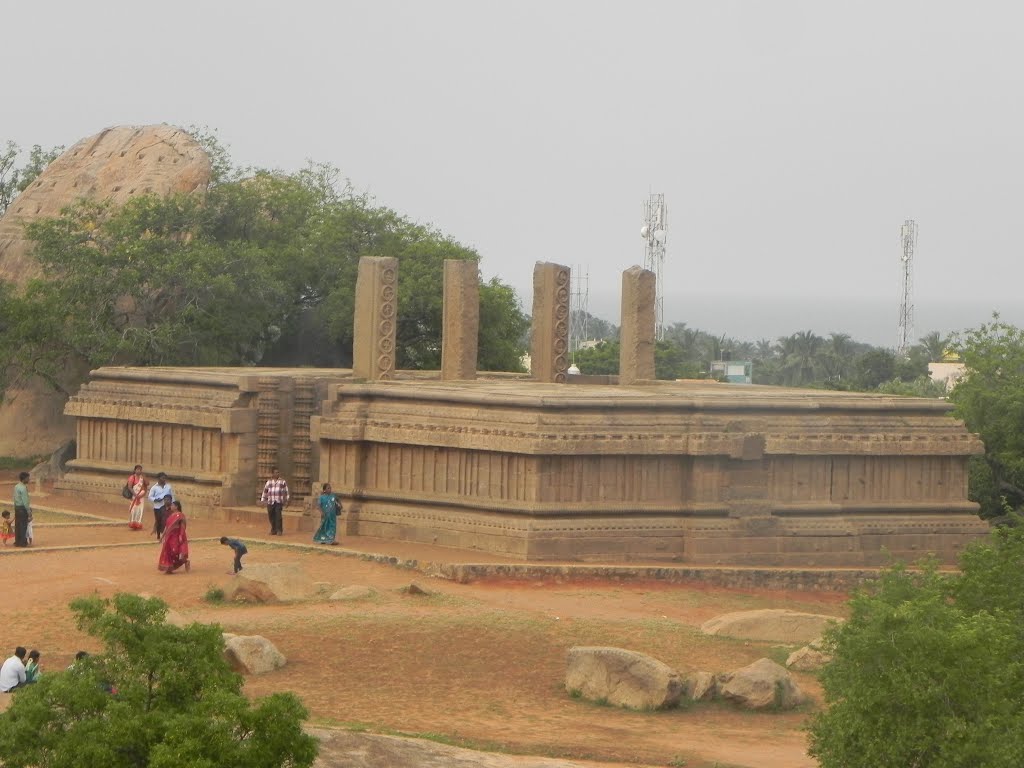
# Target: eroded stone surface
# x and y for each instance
(271, 583)
(639, 315)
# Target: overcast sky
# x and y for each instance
(791, 139)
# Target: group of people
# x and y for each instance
(20, 527)
(170, 527)
(16, 672)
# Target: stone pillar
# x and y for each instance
(461, 319)
(550, 335)
(373, 344)
(636, 335)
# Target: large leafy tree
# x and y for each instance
(990, 399)
(929, 669)
(260, 269)
(159, 696)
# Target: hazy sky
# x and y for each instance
(791, 139)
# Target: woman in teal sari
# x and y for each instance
(330, 508)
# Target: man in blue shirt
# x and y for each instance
(161, 489)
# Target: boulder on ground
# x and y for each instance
(252, 654)
(812, 656)
(762, 685)
(700, 686)
(270, 583)
(622, 678)
(773, 625)
(353, 592)
(414, 589)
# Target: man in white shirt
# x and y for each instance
(12, 673)
(160, 489)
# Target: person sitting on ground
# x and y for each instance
(32, 671)
(6, 526)
(239, 548)
(12, 673)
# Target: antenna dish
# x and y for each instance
(645, 231)
(659, 235)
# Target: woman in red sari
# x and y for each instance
(174, 551)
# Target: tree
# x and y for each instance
(928, 669)
(159, 696)
(990, 400)
(934, 345)
(260, 269)
(15, 180)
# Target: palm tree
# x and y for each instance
(936, 345)
(802, 350)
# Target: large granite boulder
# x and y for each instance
(700, 686)
(622, 678)
(252, 654)
(116, 164)
(761, 685)
(271, 583)
(776, 625)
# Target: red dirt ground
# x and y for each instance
(481, 662)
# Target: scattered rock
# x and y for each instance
(811, 657)
(762, 685)
(252, 654)
(701, 686)
(270, 583)
(772, 625)
(415, 589)
(353, 592)
(622, 678)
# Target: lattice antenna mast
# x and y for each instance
(655, 234)
(579, 309)
(908, 243)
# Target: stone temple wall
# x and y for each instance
(690, 472)
(216, 432)
(699, 473)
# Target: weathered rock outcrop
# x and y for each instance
(772, 625)
(115, 164)
(761, 685)
(622, 678)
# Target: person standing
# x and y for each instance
(138, 487)
(22, 510)
(174, 552)
(275, 496)
(160, 489)
(12, 673)
(327, 533)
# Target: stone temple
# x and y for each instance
(548, 467)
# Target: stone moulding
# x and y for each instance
(690, 472)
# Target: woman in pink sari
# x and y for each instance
(138, 487)
(174, 551)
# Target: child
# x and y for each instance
(6, 527)
(239, 549)
(32, 672)
(28, 529)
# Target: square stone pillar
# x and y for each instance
(461, 331)
(373, 343)
(636, 335)
(549, 342)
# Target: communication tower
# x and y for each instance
(654, 234)
(908, 243)
(579, 299)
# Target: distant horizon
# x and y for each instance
(871, 321)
